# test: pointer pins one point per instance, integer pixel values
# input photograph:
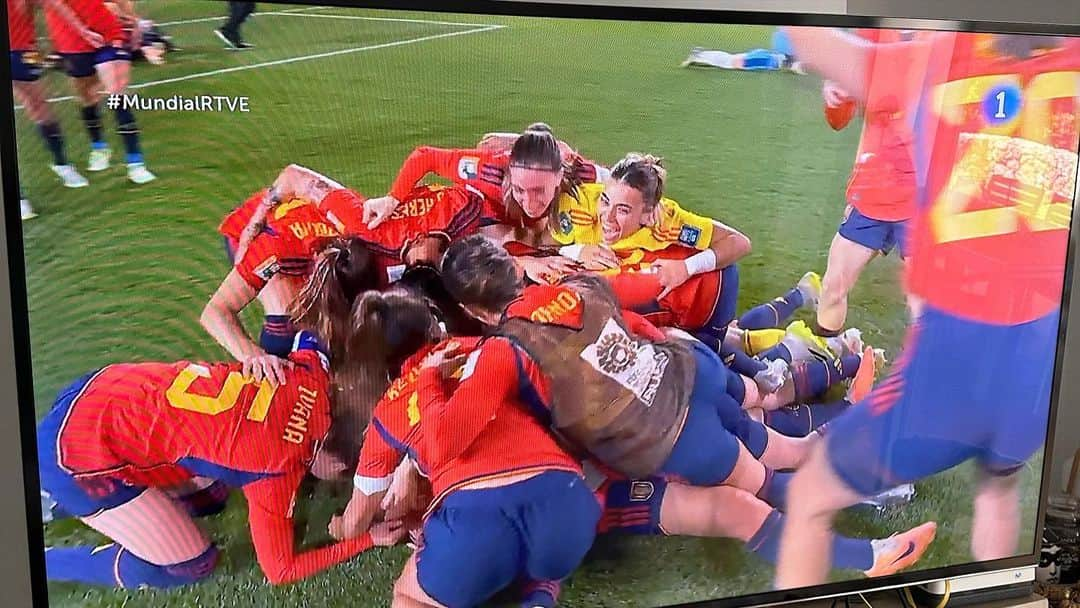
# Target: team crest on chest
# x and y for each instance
(565, 224)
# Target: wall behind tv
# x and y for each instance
(14, 564)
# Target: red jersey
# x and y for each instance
(233, 225)
(453, 212)
(95, 15)
(636, 285)
(990, 241)
(484, 170)
(882, 185)
(470, 428)
(20, 21)
(295, 232)
(156, 423)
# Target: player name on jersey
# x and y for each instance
(296, 429)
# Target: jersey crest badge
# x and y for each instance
(565, 224)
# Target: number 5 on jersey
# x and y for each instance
(179, 396)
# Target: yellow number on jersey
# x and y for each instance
(1012, 166)
(413, 410)
(212, 405)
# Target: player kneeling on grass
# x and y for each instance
(509, 503)
(117, 436)
(640, 406)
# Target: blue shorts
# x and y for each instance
(960, 390)
(81, 65)
(478, 542)
(874, 234)
(708, 446)
(632, 506)
(26, 66)
(82, 497)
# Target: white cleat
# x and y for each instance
(27, 210)
(775, 374)
(99, 159)
(139, 174)
(694, 58)
(70, 177)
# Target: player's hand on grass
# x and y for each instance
(671, 273)
(377, 210)
(389, 533)
(266, 367)
(598, 257)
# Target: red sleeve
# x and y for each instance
(642, 327)
(457, 418)
(444, 162)
(270, 505)
(377, 458)
(260, 262)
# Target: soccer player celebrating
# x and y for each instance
(117, 436)
(93, 61)
(988, 251)
(639, 406)
(30, 92)
(881, 190)
(520, 175)
(506, 493)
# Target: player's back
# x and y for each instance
(137, 416)
(999, 144)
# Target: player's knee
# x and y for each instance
(133, 572)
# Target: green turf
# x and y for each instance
(118, 272)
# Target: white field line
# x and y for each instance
(266, 64)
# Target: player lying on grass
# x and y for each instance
(97, 64)
(116, 437)
(506, 494)
(641, 407)
(520, 176)
(26, 71)
(990, 285)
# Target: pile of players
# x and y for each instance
(551, 344)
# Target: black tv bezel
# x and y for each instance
(21, 319)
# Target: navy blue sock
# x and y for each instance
(774, 490)
(801, 420)
(813, 378)
(848, 553)
(113, 566)
(92, 120)
(741, 362)
(772, 314)
(780, 351)
(129, 131)
(54, 140)
(277, 335)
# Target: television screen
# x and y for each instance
(347, 306)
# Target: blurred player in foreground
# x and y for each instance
(26, 71)
(96, 62)
(118, 437)
(998, 149)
